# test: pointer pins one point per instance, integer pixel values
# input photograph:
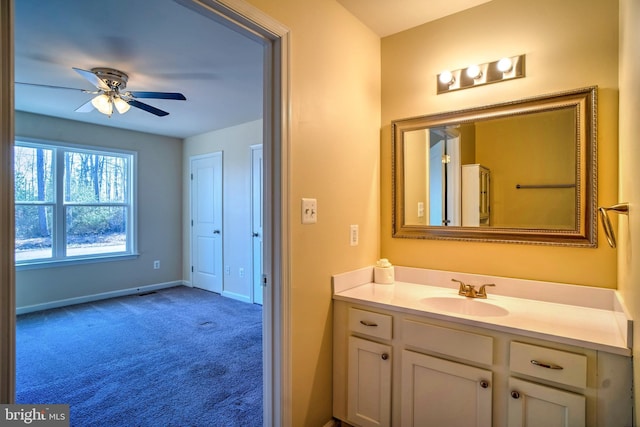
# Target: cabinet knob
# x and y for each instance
(384, 356)
(216, 231)
(484, 384)
(515, 394)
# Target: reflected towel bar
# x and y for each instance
(520, 186)
(621, 208)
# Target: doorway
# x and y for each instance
(257, 207)
(246, 19)
(206, 222)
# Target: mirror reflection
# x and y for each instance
(520, 171)
(514, 172)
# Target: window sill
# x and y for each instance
(35, 265)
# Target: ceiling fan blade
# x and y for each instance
(148, 108)
(92, 78)
(53, 87)
(158, 95)
(87, 107)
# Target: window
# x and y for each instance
(72, 203)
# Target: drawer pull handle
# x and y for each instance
(515, 394)
(384, 356)
(368, 323)
(546, 365)
(484, 384)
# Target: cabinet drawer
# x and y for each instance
(369, 323)
(549, 364)
(451, 342)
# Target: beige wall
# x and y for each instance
(629, 227)
(531, 149)
(159, 196)
(335, 121)
(235, 144)
(569, 44)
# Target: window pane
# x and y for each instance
(33, 232)
(93, 178)
(96, 229)
(33, 174)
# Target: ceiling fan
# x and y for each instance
(110, 93)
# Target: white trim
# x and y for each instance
(236, 296)
(96, 297)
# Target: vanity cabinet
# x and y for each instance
(438, 392)
(462, 375)
(533, 404)
(369, 368)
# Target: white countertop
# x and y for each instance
(599, 325)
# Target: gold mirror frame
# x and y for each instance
(583, 101)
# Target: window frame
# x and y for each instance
(60, 205)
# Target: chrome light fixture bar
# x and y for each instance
(507, 68)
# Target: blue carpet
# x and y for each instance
(176, 357)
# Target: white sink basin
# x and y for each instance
(463, 305)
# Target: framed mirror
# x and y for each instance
(520, 172)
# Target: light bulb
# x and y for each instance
(505, 65)
(103, 104)
(446, 77)
(121, 105)
(474, 71)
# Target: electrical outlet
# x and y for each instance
(353, 235)
(156, 265)
(420, 209)
(241, 272)
(227, 270)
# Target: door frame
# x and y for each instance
(248, 20)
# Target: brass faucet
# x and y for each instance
(470, 290)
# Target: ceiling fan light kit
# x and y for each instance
(110, 84)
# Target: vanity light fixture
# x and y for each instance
(474, 72)
(480, 74)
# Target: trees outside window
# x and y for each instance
(71, 202)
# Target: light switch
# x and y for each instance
(309, 211)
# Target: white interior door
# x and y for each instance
(206, 222)
(256, 220)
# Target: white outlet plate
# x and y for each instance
(156, 265)
(353, 235)
(309, 211)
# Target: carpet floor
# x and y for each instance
(175, 357)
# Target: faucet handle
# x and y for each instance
(464, 288)
(482, 292)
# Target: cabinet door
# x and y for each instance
(369, 385)
(535, 405)
(437, 392)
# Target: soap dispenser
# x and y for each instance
(383, 272)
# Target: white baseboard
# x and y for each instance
(234, 295)
(96, 297)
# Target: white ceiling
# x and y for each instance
(164, 46)
(386, 17)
